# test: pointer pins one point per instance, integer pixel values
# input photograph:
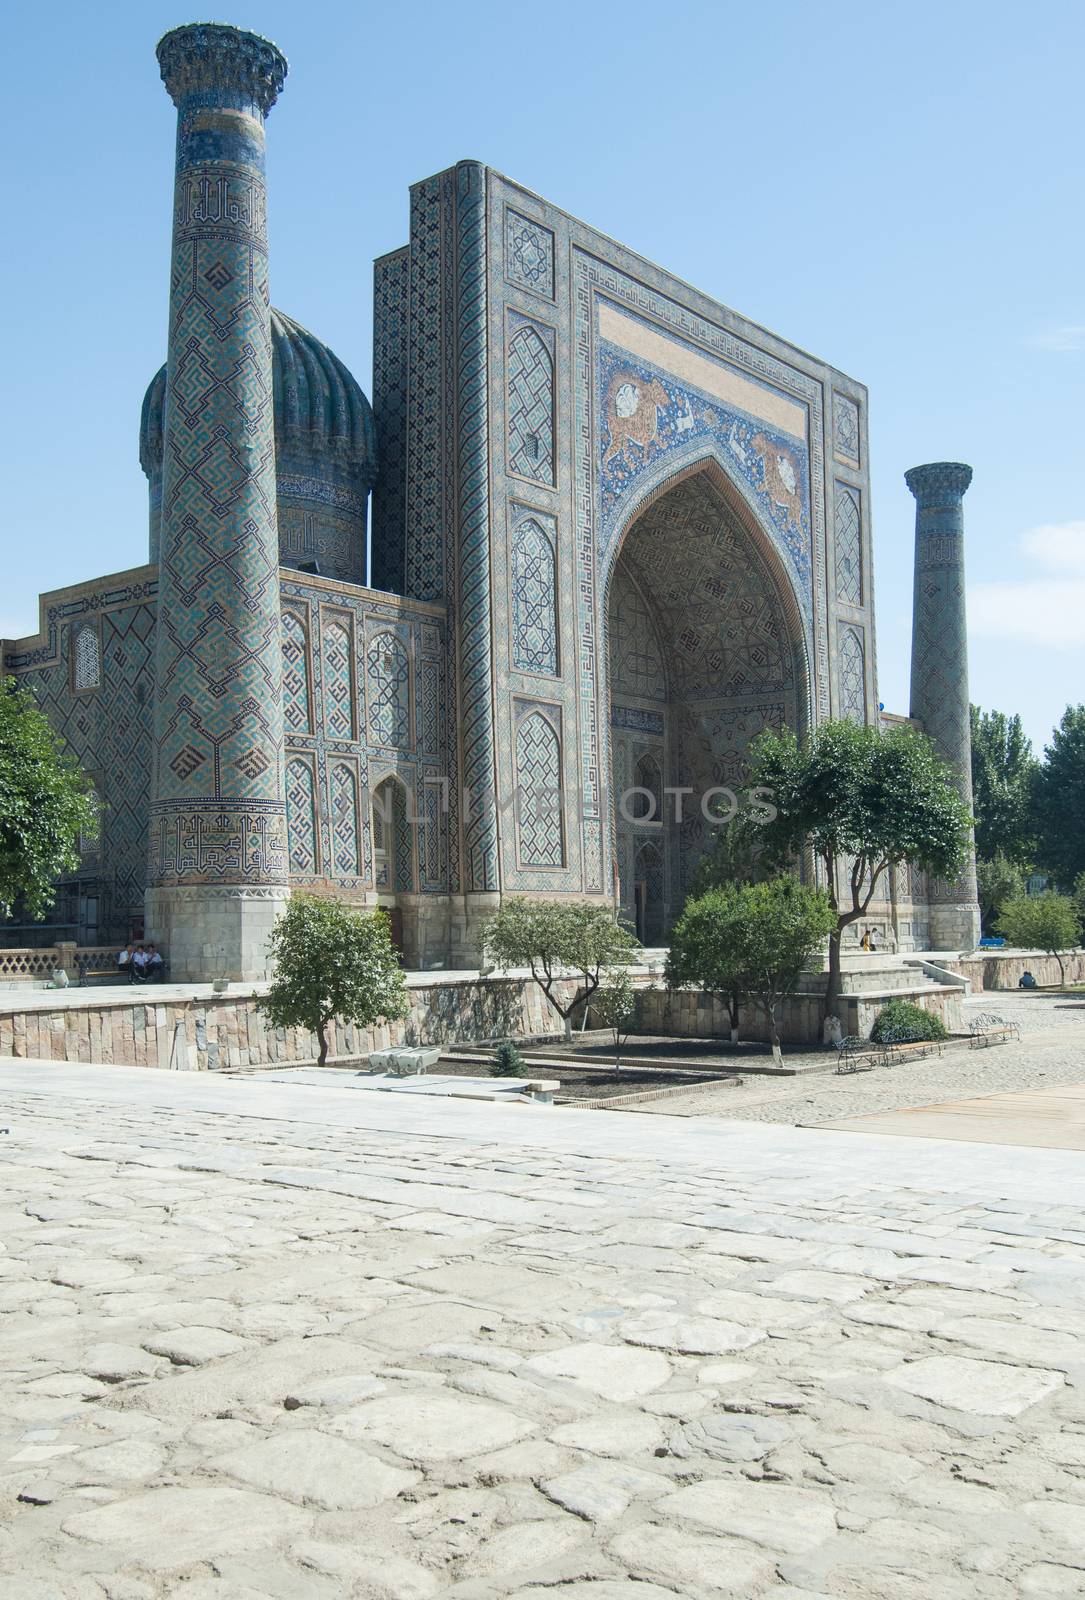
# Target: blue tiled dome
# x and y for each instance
(321, 412)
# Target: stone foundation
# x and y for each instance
(996, 971)
(213, 1032)
(691, 1014)
(211, 932)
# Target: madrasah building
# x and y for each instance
(614, 531)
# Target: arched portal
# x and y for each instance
(705, 651)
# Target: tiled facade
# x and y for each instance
(616, 531)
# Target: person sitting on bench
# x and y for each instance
(1026, 980)
(124, 962)
(140, 958)
(154, 965)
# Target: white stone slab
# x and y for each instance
(988, 1388)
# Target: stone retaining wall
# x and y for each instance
(229, 1031)
(991, 970)
(691, 1014)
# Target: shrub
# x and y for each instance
(507, 1062)
(905, 1023)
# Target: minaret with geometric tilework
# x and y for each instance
(939, 690)
(218, 862)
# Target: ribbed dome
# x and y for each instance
(320, 408)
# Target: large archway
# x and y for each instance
(705, 650)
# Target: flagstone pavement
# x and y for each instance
(269, 1340)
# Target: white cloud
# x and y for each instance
(1064, 341)
(1046, 608)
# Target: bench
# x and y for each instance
(856, 1055)
(92, 971)
(987, 1028)
(901, 1049)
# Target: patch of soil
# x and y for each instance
(597, 1083)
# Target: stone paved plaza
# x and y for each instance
(263, 1340)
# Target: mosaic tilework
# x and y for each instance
(393, 844)
(475, 620)
(529, 254)
(297, 715)
(338, 678)
(346, 857)
(538, 773)
(845, 429)
(431, 357)
(108, 730)
(219, 719)
(388, 675)
(636, 655)
(849, 546)
(87, 671)
(852, 668)
(530, 404)
(647, 413)
(301, 816)
(939, 684)
(648, 871)
(391, 309)
(534, 619)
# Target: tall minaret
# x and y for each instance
(218, 864)
(939, 696)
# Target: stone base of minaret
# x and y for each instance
(213, 932)
(955, 925)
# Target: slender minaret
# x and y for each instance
(939, 694)
(218, 866)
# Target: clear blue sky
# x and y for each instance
(895, 188)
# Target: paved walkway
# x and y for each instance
(1043, 1118)
(267, 1340)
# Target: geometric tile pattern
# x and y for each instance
(338, 679)
(391, 321)
(88, 658)
(388, 671)
(538, 775)
(849, 548)
(939, 683)
(648, 876)
(845, 428)
(534, 625)
(296, 713)
(531, 405)
(301, 816)
(474, 623)
(344, 819)
(529, 254)
(636, 661)
(852, 675)
(219, 668)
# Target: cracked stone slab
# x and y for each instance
(730, 1437)
(315, 1469)
(989, 1388)
(696, 1336)
(612, 1371)
(602, 1491)
(432, 1426)
(191, 1347)
(792, 1521)
(175, 1526)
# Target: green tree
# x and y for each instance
(997, 880)
(708, 948)
(1059, 797)
(1003, 774)
(753, 939)
(1079, 899)
(507, 1061)
(734, 856)
(558, 941)
(46, 802)
(333, 962)
(615, 1004)
(862, 800)
(1046, 921)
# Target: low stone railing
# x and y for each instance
(22, 964)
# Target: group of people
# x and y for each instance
(141, 963)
